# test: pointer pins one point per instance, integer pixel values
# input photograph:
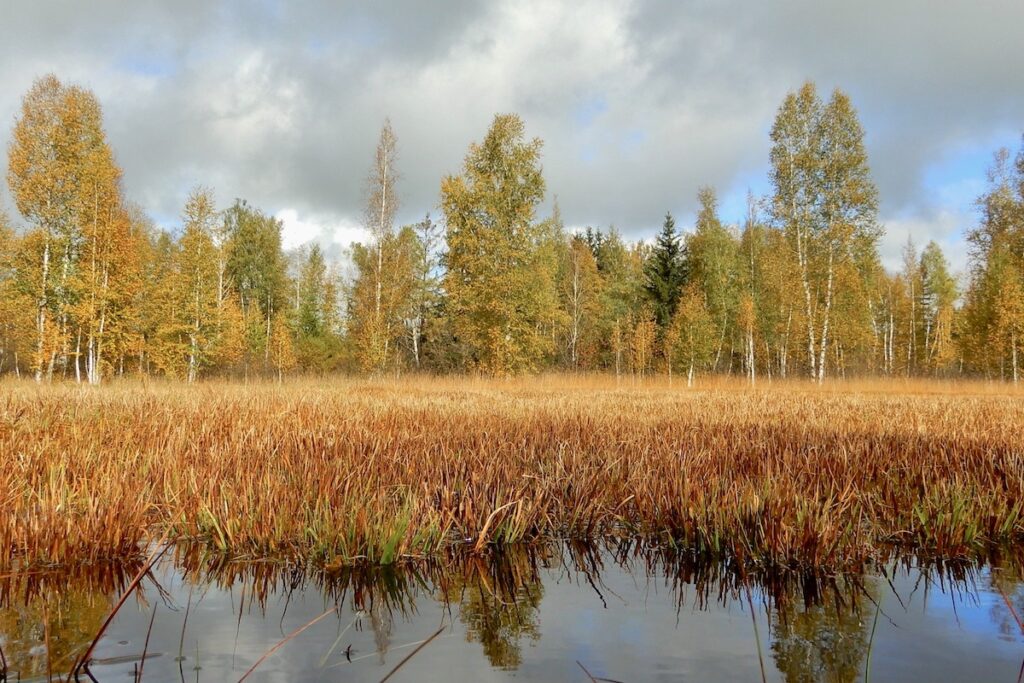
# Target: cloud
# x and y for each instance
(944, 226)
(332, 233)
(639, 103)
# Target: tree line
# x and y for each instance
(91, 289)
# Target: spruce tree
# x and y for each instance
(664, 273)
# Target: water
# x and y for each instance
(539, 615)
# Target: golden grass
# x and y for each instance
(339, 471)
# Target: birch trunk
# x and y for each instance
(825, 320)
(41, 310)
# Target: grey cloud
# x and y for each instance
(638, 103)
(925, 75)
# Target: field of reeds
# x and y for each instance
(340, 471)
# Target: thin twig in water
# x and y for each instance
(1009, 605)
(871, 642)
(238, 626)
(412, 654)
(285, 640)
(867, 596)
(757, 637)
(596, 679)
(145, 646)
(157, 553)
(893, 588)
(589, 675)
(349, 659)
(181, 643)
(46, 642)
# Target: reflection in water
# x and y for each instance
(626, 611)
(498, 601)
(48, 619)
(1008, 613)
(827, 641)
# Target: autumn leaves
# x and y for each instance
(90, 288)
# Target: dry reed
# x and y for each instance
(342, 471)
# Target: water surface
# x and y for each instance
(622, 613)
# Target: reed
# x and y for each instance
(378, 471)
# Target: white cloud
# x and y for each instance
(333, 234)
(946, 226)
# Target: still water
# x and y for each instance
(559, 613)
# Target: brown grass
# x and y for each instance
(339, 471)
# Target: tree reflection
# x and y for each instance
(48, 619)
(1007, 612)
(497, 595)
(822, 640)
(375, 594)
(819, 626)
(498, 599)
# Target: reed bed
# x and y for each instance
(345, 471)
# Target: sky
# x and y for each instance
(639, 103)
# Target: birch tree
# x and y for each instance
(255, 272)
(938, 300)
(692, 339)
(620, 269)
(495, 276)
(188, 328)
(993, 329)
(378, 308)
(379, 217)
(426, 294)
(911, 281)
(56, 134)
(581, 296)
(316, 319)
(825, 202)
(16, 301)
(281, 348)
(767, 276)
(643, 339)
(712, 265)
(109, 270)
(198, 286)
